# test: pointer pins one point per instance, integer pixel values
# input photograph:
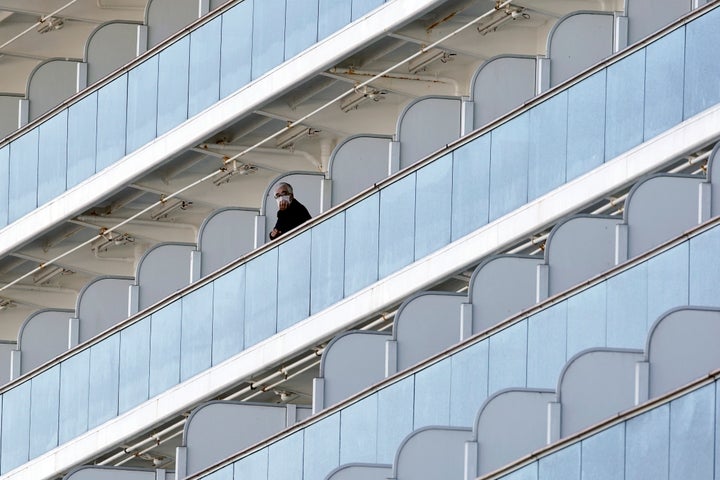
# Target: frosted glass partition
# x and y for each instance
(434, 200)
(160, 93)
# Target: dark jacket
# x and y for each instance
(295, 214)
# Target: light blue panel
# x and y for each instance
(322, 447)
(603, 454)
(586, 319)
(81, 139)
(134, 364)
(196, 342)
(395, 418)
(361, 244)
(165, 348)
(173, 66)
(23, 175)
(261, 297)
(228, 323)
(104, 375)
(663, 83)
(236, 49)
(142, 103)
(74, 395)
(667, 281)
(293, 291)
(285, 458)
(4, 184)
(627, 308)
(717, 428)
(328, 262)
(225, 473)
(204, 66)
(397, 225)
(301, 25)
(253, 466)
(361, 7)
(52, 160)
(648, 445)
(433, 202)
(44, 412)
(548, 145)
(15, 427)
(469, 383)
(625, 104)
(268, 38)
(471, 186)
(586, 125)
(529, 472)
(432, 395)
(547, 354)
(561, 465)
(509, 166)
(111, 122)
(702, 61)
(359, 431)
(334, 14)
(508, 358)
(692, 435)
(705, 268)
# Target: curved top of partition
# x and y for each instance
(40, 65)
(557, 24)
(484, 64)
(35, 314)
(100, 27)
(493, 258)
(409, 437)
(338, 337)
(415, 101)
(214, 213)
(92, 282)
(346, 140)
(641, 182)
(564, 221)
(499, 393)
(414, 297)
(667, 314)
(714, 157)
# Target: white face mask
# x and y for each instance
(281, 198)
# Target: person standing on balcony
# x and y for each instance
(291, 213)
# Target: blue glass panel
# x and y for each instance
(627, 308)
(359, 430)
(471, 186)
(52, 160)
(663, 78)
(334, 14)
(548, 145)
(165, 348)
(704, 268)
(134, 365)
(395, 418)
(603, 454)
(547, 334)
(225, 473)
(285, 458)
(74, 391)
(702, 62)
(469, 384)
(173, 66)
(625, 104)
(322, 447)
(648, 445)
(561, 465)
(433, 199)
(268, 36)
(45, 392)
(361, 7)
(586, 319)
(112, 117)
(361, 244)
(509, 166)
(228, 315)
(15, 427)
(507, 358)
(432, 395)
(301, 24)
(253, 466)
(692, 435)
(142, 103)
(81, 139)
(260, 297)
(293, 291)
(236, 49)
(397, 229)
(586, 125)
(328, 262)
(23, 174)
(196, 342)
(4, 184)
(667, 281)
(204, 66)
(104, 374)
(529, 472)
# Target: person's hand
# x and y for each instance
(275, 232)
(283, 203)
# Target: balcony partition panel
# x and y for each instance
(173, 79)
(334, 14)
(52, 158)
(228, 315)
(361, 7)
(104, 384)
(111, 122)
(15, 425)
(74, 397)
(205, 66)
(702, 37)
(45, 393)
(362, 244)
(433, 199)
(664, 102)
(547, 161)
(81, 140)
(470, 186)
(165, 341)
(328, 263)
(142, 103)
(236, 47)
(134, 364)
(23, 175)
(197, 334)
(586, 125)
(261, 297)
(509, 153)
(625, 104)
(268, 36)
(293, 287)
(397, 226)
(301, 26)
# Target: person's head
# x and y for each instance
(283, 195)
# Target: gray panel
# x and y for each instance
(165, 17)
(110, 473)
(425, 325)
(361, 472)
(501, 287)
(101, 304)
(307, 189)
(595, 385)
(351, 362)
(44, 335)
(682, 346)
(432, 453)
(714, 178)
(226, 235)
(163, 270)
(9, 114)
(426, 125)
(357, 164)
(660, 208)
(49, 84)
(5, 349)
(647, 16)
(577, 42)
(579, 249)
(501, 84)
(511, 424)
(109, 47)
